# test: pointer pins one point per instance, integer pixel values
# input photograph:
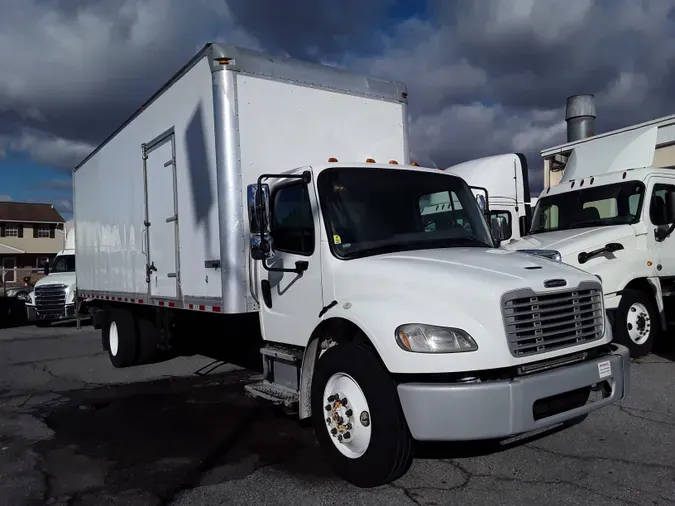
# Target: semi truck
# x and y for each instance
(613, 214)
(53, 298)
(267, 207)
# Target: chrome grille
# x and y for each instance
(50, 300)
(539, 323)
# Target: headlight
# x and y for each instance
(546, 253)
(420, 338)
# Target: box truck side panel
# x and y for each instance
(110, 199)
(283, 125)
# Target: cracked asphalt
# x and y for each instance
(75, 431)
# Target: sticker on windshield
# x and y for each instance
(337, 239)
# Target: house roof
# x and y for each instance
(8, 250)
(29, 212)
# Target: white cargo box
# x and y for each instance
(160, 205)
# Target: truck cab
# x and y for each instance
(613, 215)
(53, 298)
(348, 255)
(501, 183)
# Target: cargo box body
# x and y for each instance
(160, 206)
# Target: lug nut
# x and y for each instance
(348, 426)
(333, 431)
(347, 435)
(340, 438)
(327, 407)
(333, 398)
(349, 412)
(327, 420)
(344, 401)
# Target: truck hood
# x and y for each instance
(571, 242)
(453, 287)
(57, 278)
(489, 272)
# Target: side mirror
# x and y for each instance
(258, 208)
(498, 232)
(260, 249)
(45, 270)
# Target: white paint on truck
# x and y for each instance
(612, 215)
(381, 322)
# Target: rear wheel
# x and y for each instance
(122, 338)
(637, 323)
(357, 417)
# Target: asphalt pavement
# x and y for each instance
(76, 431)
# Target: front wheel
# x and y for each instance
(638, 323)
(357, 417)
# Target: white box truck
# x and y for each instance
(53, 299)
(613, 214)
(242, 207)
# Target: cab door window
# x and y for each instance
(292, 224)
(658, 204)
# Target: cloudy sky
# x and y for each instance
(484, 76)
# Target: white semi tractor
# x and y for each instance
(53, 298)
(242, 208)
(613, 214)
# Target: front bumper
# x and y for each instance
(498, 409)
(33, 313)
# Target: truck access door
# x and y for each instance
(161, 217)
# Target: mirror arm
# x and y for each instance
(662, 236)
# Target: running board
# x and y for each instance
(273, 393)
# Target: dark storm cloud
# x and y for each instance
(311, 28)
(484, 77)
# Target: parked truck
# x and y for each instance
(268, 207)
(53, 297)
(502, 183)
(613, 214)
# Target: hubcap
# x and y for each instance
(114, 339)
(638, 323)
(347, 415)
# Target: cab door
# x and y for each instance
(660, 192)
(290, 287)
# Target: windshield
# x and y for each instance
(64, 263)
(371, 211)
(613, 204)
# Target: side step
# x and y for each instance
(273, 393)
(281, 375)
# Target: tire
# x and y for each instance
(388, 453)
(637, 323)
(122, 339)
(148, 340)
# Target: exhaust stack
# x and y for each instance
(580, 117)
